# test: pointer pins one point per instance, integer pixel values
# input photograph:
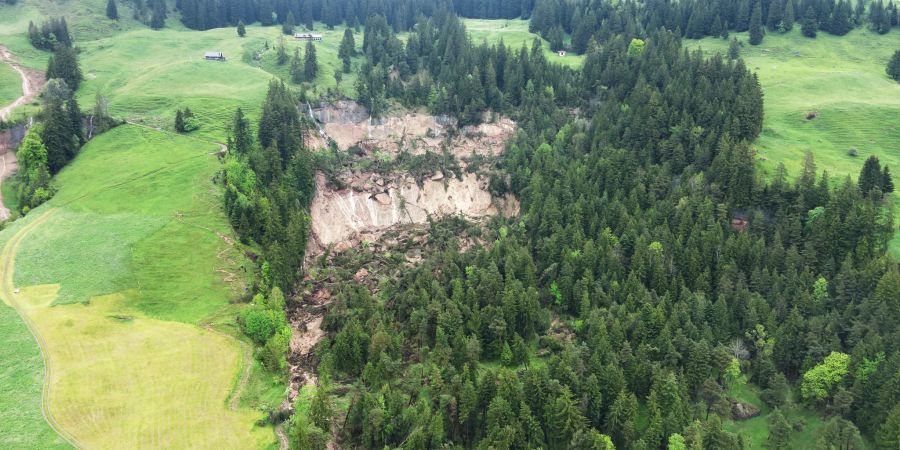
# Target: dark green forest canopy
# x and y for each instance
(651, 267)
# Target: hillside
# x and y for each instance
(840, 79)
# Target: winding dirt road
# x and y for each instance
(8, 294)
(31, 83)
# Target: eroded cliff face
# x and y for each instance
(369, 203)
(342, 216)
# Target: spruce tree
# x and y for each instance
(289, 23)
(893, 67)
(887, 183)
(179, 121)
(756, 29)
(158, 17)
(310, 64)
(297, 75)
(241, 29)
(810, 26)
(282, 53)
(734, 49)
(742, 21)
(870, 176)
(788, 19)
(347, 49)
(64, 65)
(775, 15)
(779, 431)
(112, 11)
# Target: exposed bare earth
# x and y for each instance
(387, 210)
(32, 81)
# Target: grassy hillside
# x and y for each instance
(843, 80)
(10, 84)
(123, 277)
(515, 33)
(21, 378)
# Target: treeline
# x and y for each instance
(653, 266)
(268, 187)
(441, 68)
(600, 20)
(59, 132)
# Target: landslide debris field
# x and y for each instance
(403, 169)
(389, 193)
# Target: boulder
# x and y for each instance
(743, 411)
(383, 198)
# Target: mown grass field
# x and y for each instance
(10, 84)
(842, 79)
(514, 33)
(131, 260)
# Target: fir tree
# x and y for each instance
(893, 67)
(310, 64)
(734, 49)
(288, 26)
(112, 11)
(887, 183)
(810, 26)
(297, 75)
(179, 121)
(64, 65)
(241, 29)
(347, 49)
(775, 15)
(779, 431)
(756, 28)
(787, 22)
(282, 53)
(870, 176)
(742, 21)
(158, 17)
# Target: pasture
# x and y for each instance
(514, 33)
(843, 81)
(128, 279)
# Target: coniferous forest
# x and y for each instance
(652, 269)
(644, 222)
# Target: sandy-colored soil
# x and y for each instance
(343, 215)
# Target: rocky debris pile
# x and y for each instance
(743, 411)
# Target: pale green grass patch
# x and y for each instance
(843, 79)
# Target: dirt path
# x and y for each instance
(282, 437)
(32, 81)
(8, 293)
(8, 166)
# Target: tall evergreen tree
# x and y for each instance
(310, 63)
(112, 11)
(158, 14)
(64, 65)
(870, 176)
(787, 21)
(775, 15)
(756, 28)
(887, 183)
(297, 74)
(810, 26)
(241, 29)
(288, 26)
(893, 67)
(347, 49)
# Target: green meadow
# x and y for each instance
(514, 33)
(842, 80)
(132, 262)
(10, 84)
